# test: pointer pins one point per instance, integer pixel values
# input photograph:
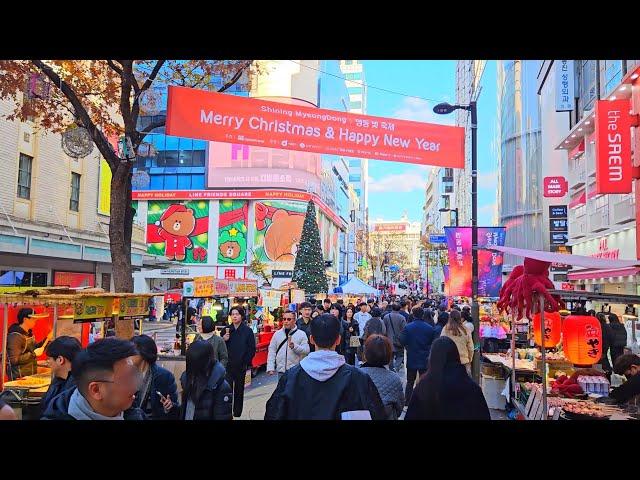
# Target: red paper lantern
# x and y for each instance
(552, 329)
(582, 339)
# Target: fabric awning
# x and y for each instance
(593, 274)
(574, 260)
(579, 200)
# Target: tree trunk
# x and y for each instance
(120, 228)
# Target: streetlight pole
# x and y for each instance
(475, 307)
(443, 109)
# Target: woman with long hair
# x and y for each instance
(446, 391)
(206, 395)
(457, 332)
(158, 394)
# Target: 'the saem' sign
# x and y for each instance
(219, 117)
(613, 146)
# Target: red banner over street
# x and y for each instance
(194, 113)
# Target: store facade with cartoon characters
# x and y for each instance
(230, 238)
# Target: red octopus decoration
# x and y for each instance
(525, 281)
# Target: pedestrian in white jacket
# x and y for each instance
(288, 346)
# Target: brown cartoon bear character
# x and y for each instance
(230, 249)
(174, 227)
(283, 235)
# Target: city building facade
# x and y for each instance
(519, 157)
(52, 229)
(395, 248)
(602, 217)
(353, 71)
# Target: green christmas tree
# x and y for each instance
(309, 269)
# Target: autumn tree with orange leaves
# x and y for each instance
(108, 98)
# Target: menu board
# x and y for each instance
(210, 287)
(91, 308)
(134, 307)
(243, 288)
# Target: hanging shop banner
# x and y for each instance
(460, 260)
(270, 298)
(459, 249)
(243, 288)
(555, 187)
(613, 146)
(74, 279)
(220, 117)
(210, 287)
(490, 262)
(557, 211)
(564, 77)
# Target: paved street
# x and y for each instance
(262, 386)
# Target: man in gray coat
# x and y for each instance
(395, 323)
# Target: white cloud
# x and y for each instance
(488, 180)
(420, 110)
(408, 181)
(488, 209)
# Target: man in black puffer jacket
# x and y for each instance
(107, 382)
(322, 386)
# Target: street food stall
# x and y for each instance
(569, 383)
(220, 296)
(83, 314)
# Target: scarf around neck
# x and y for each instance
(80, 409)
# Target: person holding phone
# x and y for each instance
(158, 393)
(241, 347)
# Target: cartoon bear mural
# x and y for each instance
(232, 241)
(174, 232)
(282, 234)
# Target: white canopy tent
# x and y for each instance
(355, 286)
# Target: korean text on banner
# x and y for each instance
(220, 117)
(564, 79)
(459, 249)
(243, 288)
(490, 262)
(613, 146)
(104, 188)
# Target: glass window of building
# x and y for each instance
(356, 104)
(355, 178)
(74, 200)
(354, 163)
(24, 176)
(588, 91)
(353, 76)
(611, 75)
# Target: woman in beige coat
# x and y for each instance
(455, 330)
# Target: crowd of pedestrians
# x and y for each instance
(333, 362)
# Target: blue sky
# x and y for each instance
(398, 187)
